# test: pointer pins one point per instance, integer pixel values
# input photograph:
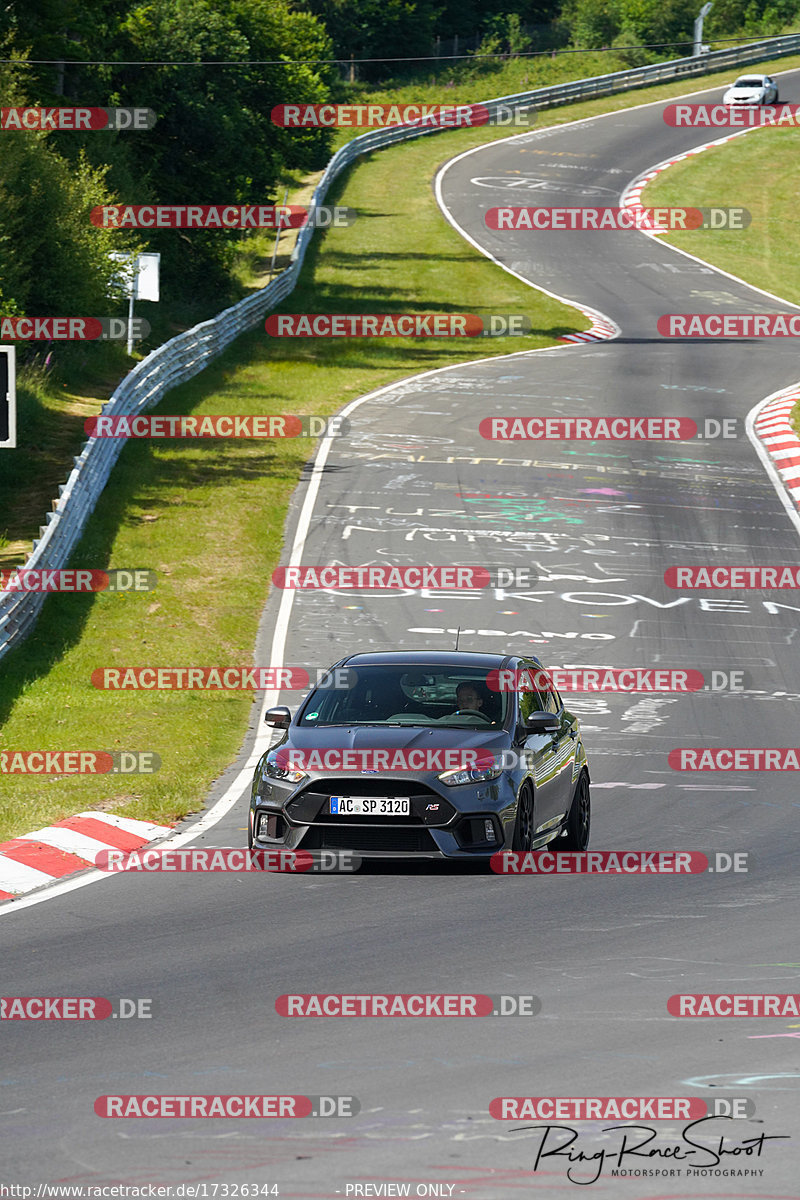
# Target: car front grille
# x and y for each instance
(401, 840)
(310, 807)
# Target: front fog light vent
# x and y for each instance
(270, 825)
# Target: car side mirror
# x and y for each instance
(279, 717)
(541, 722)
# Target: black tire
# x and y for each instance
(579, 821)
(776, 100)
(523, 826)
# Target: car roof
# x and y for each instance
(431, 658)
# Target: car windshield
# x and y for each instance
(402, 694)
(755, 82)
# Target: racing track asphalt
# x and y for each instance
(416, 483)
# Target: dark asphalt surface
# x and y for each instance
(415, 483)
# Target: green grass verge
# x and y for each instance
(208, 517)
(759, 172)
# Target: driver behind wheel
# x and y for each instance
(468, 699)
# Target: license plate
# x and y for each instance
(370, 806)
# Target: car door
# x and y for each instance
(566, 747)
(540, 754)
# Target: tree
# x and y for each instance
(597, 23)
(68, 32)
(213, 141)
(378, 29)
(54, 261)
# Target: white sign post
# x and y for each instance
(140, 278)
(8, 398)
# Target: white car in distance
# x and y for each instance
(752, 89)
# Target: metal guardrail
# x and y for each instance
(184, 356)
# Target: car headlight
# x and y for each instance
(471, 775)
(275, 770)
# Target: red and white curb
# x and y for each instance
(601, 330)
(632, 196)
(782, 444)
(771, 426)
(29, 861)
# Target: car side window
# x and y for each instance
(552, 701)
(549, 699)
(527, 696)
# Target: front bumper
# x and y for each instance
(475, 821)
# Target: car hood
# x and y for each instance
(744, 96)
(394, 737)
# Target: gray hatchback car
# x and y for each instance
(424, 754)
